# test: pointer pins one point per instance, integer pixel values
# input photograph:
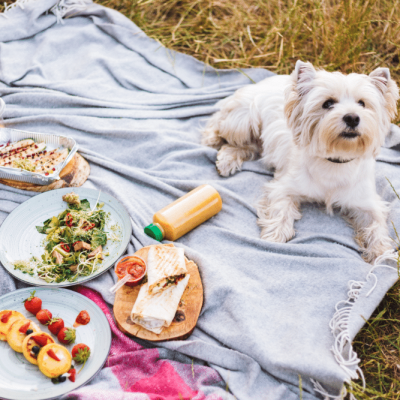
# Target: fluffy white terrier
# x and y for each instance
(321, 132)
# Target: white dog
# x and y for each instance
(321, 132)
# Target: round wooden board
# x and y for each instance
(74, 174)
(187, 314)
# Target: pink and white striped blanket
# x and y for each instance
(134, 372)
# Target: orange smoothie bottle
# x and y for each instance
(184, 214)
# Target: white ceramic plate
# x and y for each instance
(19, 239)
(21, 380)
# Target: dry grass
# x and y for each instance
(378, 346)
(344, 35)
(350, 35)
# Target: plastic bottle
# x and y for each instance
(185, 213)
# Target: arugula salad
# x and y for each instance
(74, 241)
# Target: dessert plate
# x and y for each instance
(19, 239)
(21, 380)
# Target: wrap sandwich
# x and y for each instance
(165, 267)
(156, 311)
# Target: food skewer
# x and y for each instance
(16, 145)
(30, 156)
(31, 150)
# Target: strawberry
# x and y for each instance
(24, 327)
(33, 304)
(67, 335)
(55, 325)
(83, 318)
(40, 340)
(52, 355)
(80, 353)
(72, 375)
(44, 316)
(5, 317)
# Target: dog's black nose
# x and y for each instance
(352, 120)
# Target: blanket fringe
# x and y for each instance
(18, 3)
(64, 7)
(60, 10)
(342, 348)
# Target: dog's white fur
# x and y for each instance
(283, 120)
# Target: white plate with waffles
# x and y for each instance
(21, 380)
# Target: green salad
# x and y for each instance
(74, 241)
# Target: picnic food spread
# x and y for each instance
(159, 297)
(73, 244)
(33, 343)
(33, 304)
(83, 318)
(54, 360)
(7, 318)
(66, 335)
(166, 267)
(134, 266)
(18, 331)
(156, 311)
(31, 156)
(155, 305)
(185, 213)
(39, 348)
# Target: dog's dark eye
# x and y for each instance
(361, 103)
(328, 104)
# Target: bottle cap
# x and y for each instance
(154, 232)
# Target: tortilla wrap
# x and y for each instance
(164, 265)
(156, 311)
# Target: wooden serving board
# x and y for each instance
(185, 318)
(74, 174)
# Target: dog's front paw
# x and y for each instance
(228, 161)
(371, 253)
(274, 231)
(373, 241)
(226, 168)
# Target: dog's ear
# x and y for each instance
(381, 79)
(302, 82)
(303, 75)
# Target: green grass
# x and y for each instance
(350, 36)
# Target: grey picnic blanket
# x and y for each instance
(136, 109)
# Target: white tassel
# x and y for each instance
(18, 3)
(388, 255)
(64, 7)
(318, 388)
(60, 10)
(342, 349)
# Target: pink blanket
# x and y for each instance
(133, 372)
